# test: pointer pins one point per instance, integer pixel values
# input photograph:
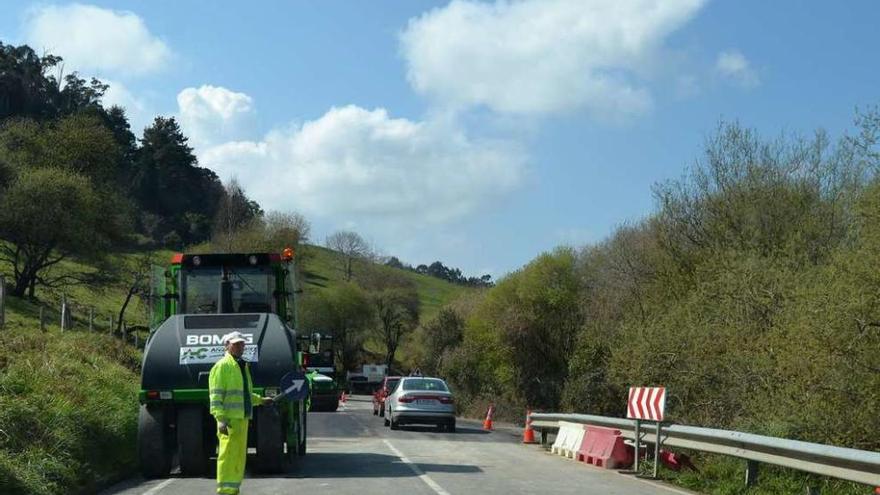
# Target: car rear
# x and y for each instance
(418, 400)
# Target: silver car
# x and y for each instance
(420, 400)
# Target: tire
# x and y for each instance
(154, 449)
(270, 439)
(395, 425)
(301, 447)
(451, 427)
(191, 441)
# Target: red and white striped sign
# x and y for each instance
(646, 403)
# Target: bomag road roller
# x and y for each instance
(199, 298)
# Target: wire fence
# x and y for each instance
(69, 315)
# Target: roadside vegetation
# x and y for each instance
(752, 293)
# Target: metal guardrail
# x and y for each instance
(860, 466)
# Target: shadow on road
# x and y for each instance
(458, 430)
(362, 465)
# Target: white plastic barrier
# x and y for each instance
(568, 440)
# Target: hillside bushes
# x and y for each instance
(751, 293)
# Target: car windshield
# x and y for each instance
(252, 289)
(427, 384)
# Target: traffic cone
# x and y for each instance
(487, 423)
(528, 432)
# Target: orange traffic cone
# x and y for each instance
(487, 423)
(528, 432)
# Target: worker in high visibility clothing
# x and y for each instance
(232, 402)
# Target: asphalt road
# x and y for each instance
(350, 451)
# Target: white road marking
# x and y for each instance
(155, 489)
(418, 472)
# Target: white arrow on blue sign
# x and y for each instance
(294, 386)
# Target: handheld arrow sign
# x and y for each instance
(294, 386)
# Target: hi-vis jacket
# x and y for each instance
(226, 390)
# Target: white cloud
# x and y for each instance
(541, 56)
(90, 38)
(354, 164)
(734, 66)
(212, 114)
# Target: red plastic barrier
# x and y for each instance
(604, 447)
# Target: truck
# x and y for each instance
(319, 360)
(198, 299)
(368, 378)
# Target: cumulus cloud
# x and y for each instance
(94, 39)
(353, 163)
(735, 67)
(541, 56)
(212, 114)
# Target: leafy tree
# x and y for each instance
(28, 90)
(350, 247)
(67, 221)
(167, 182)
(345, 312)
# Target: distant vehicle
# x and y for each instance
(381, 393)
(420, 400)
(318, 357)
(368, 378)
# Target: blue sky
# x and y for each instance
(476, 133)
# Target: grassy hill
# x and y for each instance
(322, 271)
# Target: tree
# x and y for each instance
(67, 220)
(346, 313)
(137, 275)
(397, 310)
(441, 335)
(168, 182)
(235, 212)
(350, 247)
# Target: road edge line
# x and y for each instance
(155, 489)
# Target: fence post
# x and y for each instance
(2, 301)
(42, 319)
(63, 312)
(751, 473)
(91, 318)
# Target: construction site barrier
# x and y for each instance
(604, 447)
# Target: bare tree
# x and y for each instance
(351, 247)
(236, 212)
(398, 316)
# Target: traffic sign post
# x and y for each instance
(646, 404)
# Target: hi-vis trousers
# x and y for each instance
(231, 456)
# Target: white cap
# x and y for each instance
(233, 337)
